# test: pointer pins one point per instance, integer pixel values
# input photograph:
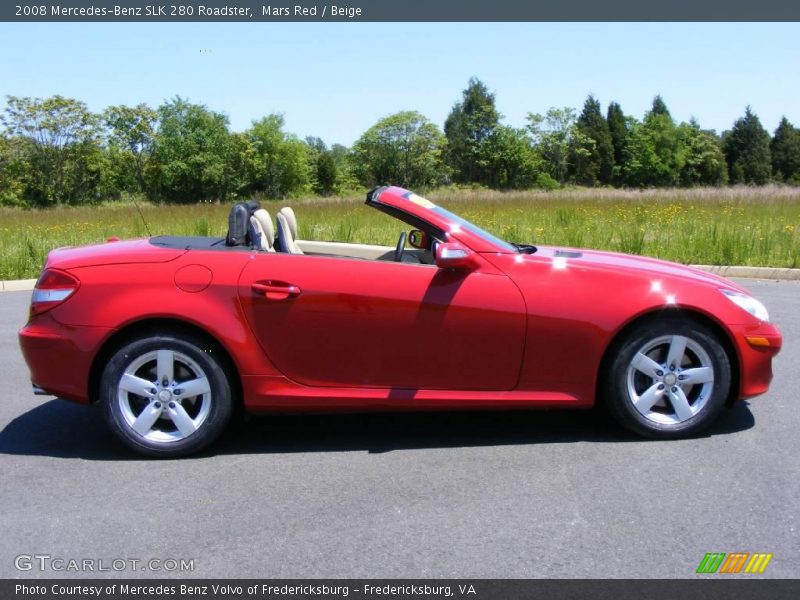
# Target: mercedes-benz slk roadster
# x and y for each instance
(168, 335)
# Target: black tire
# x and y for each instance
(624, 385)
(195, 364)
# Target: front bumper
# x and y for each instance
(756, 345)
(60, 356)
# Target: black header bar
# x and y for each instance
(399, 10)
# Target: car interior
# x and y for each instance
(251, 227)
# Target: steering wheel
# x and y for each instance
(401, 244)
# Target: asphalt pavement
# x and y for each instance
(473, 495)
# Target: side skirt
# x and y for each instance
(278, 394)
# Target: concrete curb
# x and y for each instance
(17, 285)
(774, 273)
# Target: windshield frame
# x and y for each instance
(424, 214)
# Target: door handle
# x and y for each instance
(276, 291)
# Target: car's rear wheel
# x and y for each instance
(668, 379)
(166, 396)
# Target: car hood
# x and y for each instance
(618, 262)
(111, 253)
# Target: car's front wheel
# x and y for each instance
(668, 379)
(166, 396)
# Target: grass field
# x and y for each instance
(730, 226)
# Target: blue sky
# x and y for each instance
(336, 80)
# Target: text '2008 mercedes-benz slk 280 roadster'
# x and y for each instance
(169, 334)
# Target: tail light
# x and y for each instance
(52, 288)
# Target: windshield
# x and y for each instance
(461, 222)
(464, 224)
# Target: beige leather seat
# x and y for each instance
(287, 228)
(262, 231)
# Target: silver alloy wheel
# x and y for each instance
(164, 396)
(670, 379)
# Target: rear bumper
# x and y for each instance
(60, 356)
(757, 345)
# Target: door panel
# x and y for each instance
(329, 321)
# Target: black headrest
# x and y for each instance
(239, 222)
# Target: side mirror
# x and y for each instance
(452, 255)
(418, 239)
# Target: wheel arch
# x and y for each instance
(720, 331)
(160, 326)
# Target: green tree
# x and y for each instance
(324, 171)
(513, 161)
(554, 133)
(192, 151)
(326, 174)
(654, 154)
(14, 171)
(746, 148)
(242, 166)
(282, 165)
(61, 150)
(659, 107)
(343, 158)
(704, 162)
(785, 151)
(598, 166)
(402, 149)
(132, 132)
(468, 129)
(618, 128)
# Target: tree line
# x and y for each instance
(54, 151)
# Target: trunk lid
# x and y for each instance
(111, 253)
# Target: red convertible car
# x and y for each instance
(169, 334)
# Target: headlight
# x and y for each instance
(748, 303)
